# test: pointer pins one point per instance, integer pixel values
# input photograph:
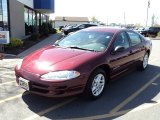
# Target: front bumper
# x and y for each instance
(53, 89)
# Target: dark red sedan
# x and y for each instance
(83, 62)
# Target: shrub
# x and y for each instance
(15, 42)
(54, 31)
(158, 34)
(45, 29)
(50, 28)
(35, 36)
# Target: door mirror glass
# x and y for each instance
(119, 49)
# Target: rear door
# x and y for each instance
(137, 50)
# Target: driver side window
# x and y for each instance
(121, 40)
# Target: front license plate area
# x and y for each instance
(24, 83)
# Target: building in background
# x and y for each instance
(63, 21)
(23, 17)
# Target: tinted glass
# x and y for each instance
(135, 38)
(121, 40)
(3, 15)
(90, 40)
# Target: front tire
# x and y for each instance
(96, 84)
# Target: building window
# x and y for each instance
(44, 20)
(4, 15)
(26, 17)
(33, 20)
(30, 20)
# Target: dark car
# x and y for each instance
(69, 26)
(83, 62)
(151, 31)
(68, 30)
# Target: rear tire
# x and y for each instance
(96, 84)
(144, 63)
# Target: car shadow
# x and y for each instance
(116, 92)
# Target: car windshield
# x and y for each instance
(86, 40)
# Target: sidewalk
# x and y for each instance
(48, 41)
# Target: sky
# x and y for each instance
(109, 11)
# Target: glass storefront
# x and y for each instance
(33, 20)
(29, 22)
(4, 15)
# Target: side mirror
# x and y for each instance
(81, 27)
(118, 49)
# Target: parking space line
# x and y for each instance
(102, 116)
(108, 115)
(126, 101)
(12, 98)
(7, 83)
(41, 113)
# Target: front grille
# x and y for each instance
(39, 90)
(39, 87)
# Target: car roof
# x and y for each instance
(104, 29)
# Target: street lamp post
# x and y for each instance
(148, 6)
(124, 19)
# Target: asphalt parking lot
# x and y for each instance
(135, 96)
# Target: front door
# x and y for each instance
(120, 61)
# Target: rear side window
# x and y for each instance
(135, 38)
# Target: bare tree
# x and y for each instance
(138, 25)
(154, 20)
(93, 19)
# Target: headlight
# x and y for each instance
(19, 64)
(60, 75)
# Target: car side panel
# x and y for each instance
(119, 63)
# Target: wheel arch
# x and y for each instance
(104, 67)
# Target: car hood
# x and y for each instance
(55, 59)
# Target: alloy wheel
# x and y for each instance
(98, 84)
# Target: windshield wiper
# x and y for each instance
(75, 47)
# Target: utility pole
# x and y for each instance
(107, 21)
(124, 19)
(148, 6)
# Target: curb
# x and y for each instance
(10, 56)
